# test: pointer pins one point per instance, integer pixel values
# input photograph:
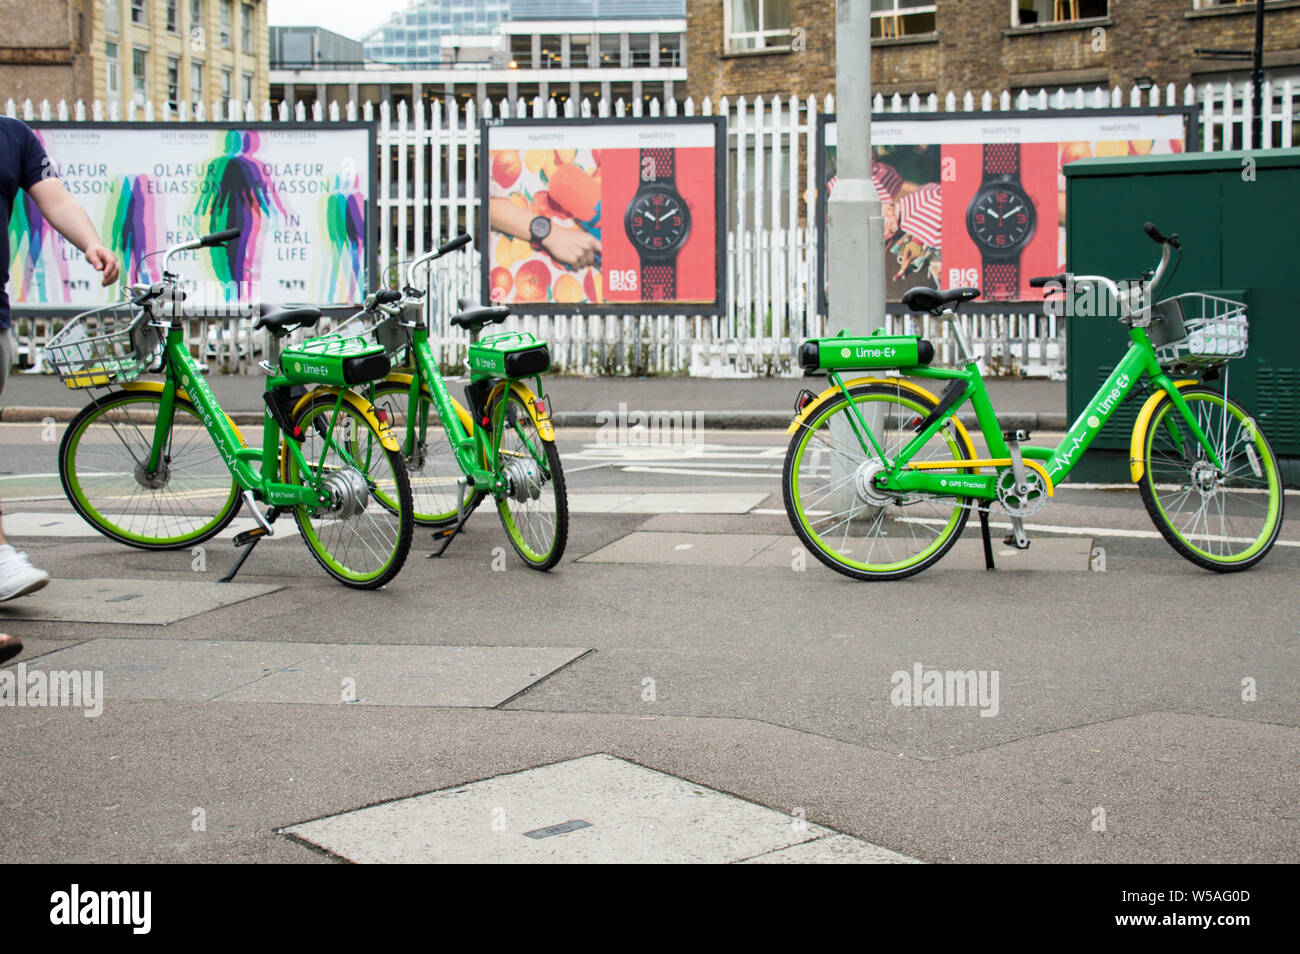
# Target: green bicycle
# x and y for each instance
(159, 465)
(881, 476)
(500, 443)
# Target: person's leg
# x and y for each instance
(17, 576)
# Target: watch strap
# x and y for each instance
(664, 163)
(1001, 159)
(658, 282)
(1001, 281)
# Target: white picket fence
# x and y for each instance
(771, 252)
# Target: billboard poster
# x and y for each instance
(978, 199)
(300, 195)
(610, 215)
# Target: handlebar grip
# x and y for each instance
(388, 296)
(460, 241)
(1154, 233)
(1042, 281)
(218, 238)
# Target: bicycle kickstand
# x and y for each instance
(249, 539)
(988, 542)
(462, 514)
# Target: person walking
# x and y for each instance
(24, 165)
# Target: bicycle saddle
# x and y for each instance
(928, 299)
(472, 315)
(281, 321)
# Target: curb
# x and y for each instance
(736, 420)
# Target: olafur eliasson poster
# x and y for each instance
(978, 199)
(610, 213)
(300, 196)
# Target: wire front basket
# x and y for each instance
(114, 344)
(382, 329)
(1196, 331)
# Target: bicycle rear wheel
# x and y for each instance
(361, 531)
(832, 503)
(1221, 519)
(104, 468)
(535, 507)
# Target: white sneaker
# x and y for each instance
(17, 576)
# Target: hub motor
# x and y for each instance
(348, 492)
(159, 478)
(523, 479)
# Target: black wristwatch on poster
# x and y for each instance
(538, 231)
(657, 223)
(1001, 220)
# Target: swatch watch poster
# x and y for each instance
(301, 196)
(978, 199)
(607, 214)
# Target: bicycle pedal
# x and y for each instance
(1010, 541)
(249, 536)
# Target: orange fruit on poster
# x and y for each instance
(505, 256)
(532, 281)
(534, 159)
(506, 167)
(541, 204)
(519, 199)
(1111, 148)
(1071, 151)
(519, 250)
(565, 155)
(501, 283)
(1139, 147)
(568, 291)
(591, 285)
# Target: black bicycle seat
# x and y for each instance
(474, 316)
(933, 301)
(281, 321)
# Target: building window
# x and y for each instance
(521, 51)
(139, 76)
(140, 12)
(611, 49)
(196, 83)
(1033, 12)
(173, 82)
(246, 87)
(670, 50)
(173, 16)
(246, 28)
(110, 69)
(580, 52)
(894, 18)
(225, 85)
(639, 48)
(112, 17)
(227, 21)
(757, 25)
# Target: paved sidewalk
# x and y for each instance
(725, 403)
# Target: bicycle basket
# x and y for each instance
(342, 360)
(1198, 331)
(383, 329)
(114, 344)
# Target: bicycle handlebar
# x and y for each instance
(460, 241)
(1160, 239)
(219, 238)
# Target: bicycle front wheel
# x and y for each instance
(834, 506)
(1222, 519)
(361, 530)
(534, 508)
(104, 466)
(430, 460)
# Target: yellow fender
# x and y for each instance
(156, 387)
(405, 381)
(525, 394)
(902, 385)
(1136, 467)
(361, 406)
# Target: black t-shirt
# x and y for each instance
(22, 165)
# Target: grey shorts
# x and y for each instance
(6, 356)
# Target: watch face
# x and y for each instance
(539, 228)
(1001, 218)
(657, 221)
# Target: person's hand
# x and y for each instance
(572, 247)
(103, 261)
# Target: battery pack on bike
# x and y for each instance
(870, 351)
(514, 354)
(340, 360)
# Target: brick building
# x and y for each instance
(122, 51)
(754, 47)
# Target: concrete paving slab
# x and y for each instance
(592, 810)
(665, 502)
(140, 602)
(683, 549)
(833, 850)
(461, 676)
(36, 646)
(67, 524)
(247, 671)
(1068, 554)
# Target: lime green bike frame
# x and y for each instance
(1057, 461)
(253, 468)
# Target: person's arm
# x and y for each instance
(568, 245)
(67, 216)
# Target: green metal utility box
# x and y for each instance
(1237, 215)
